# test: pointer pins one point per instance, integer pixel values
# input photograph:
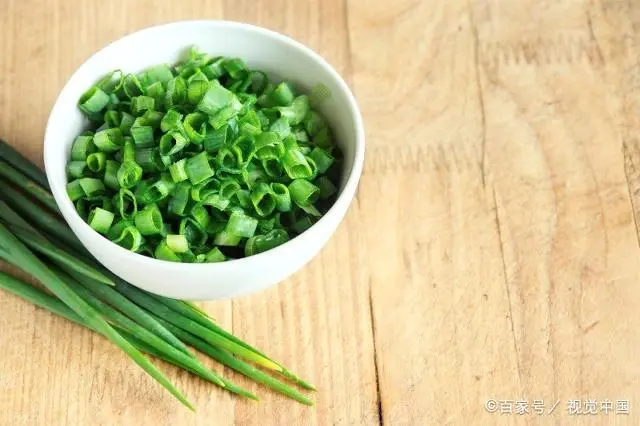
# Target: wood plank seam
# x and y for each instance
(375, 358)
(479, 89)
(501, 244)
(632, 173)
(350, 77)
(629, 87)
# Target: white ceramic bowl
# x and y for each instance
(274, 53)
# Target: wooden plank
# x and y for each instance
(508, 234)
(54, 372)
(491, 252)
(321, 316)
(317, 323)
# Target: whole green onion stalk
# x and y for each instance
(157, 325)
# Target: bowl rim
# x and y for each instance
(344, 197)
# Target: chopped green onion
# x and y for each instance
(214, 255)
(195, 125)
(303, 192)
(152, 118)
(327, 188)
(225, 238)
(196, 89)
(76, 169)
(323, 138)
(215, 99)
(228, 188)
(261, 243)
(322, 158)
(176, 93)
(216, 201)
(200, 214)
(241, 225)
(129, 238)
(282, 196)
(209, 144)
(178, 171)
(177, 243)
(132, 86)
(296, 165)
(199, 168)
(172, 143)
(108, 140)
(111, 175)
(303, 224)
(100, 220)
(125, 202)
(163, 252)
(282, 95)
(156, 91)
(205, 188)
(89, 187)
(264, 202)
(195, 233)
(281, 127)
(297, 111)
(171, 120)
(159, 73)
(82, 147)
(314, 123)
(215, 139)
(236, 67)
(93, 101)
(214, 70)
(129, 174)
(142, 136)
(272, 167)
(244, 198)
(149, 220)
(180, 199)
(141, 104)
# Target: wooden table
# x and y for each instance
(491, 252)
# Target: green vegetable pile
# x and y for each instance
(203, 161)
(34, 238)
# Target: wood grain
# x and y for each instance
(491, 251)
